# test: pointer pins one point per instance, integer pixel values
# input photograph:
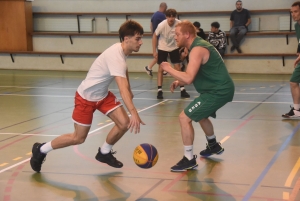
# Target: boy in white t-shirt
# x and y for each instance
(166, 47)
(93, 94)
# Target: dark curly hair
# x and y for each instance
(130, 28)
(171, 13)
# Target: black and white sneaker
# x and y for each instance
(185, 164)
(37, 158)
(109, 159)
(184, 94)
(210, 150)
(160, 95)
(292, 113)
(148, 71)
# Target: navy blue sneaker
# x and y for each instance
(185, 164)
(210, 150)
(109, 159)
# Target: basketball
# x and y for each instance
(145, 155)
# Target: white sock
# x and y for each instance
(296, 106)
(210, 137)
(188, 152)
(182, 88)
(46, 148)
(106, 148)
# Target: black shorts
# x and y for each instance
(163, 56)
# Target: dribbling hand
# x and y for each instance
(174, 85)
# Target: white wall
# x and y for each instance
(251, 44)
(152, 5)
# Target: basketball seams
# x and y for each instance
(144, 153)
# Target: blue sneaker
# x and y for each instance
(210, 150)
(109, 159)
(185, 164)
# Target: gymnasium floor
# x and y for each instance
(261, 159)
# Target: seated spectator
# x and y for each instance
(200, 31)
(239, 22)
(217, 38)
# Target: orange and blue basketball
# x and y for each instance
(145, 155)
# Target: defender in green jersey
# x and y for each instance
(208, 73)
(295, 78)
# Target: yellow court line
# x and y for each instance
(3, 164)
(286, 196)
(29, 153)
(295, 191)
(15, 159)
(290, 178)
(224, 139)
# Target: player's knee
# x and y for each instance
(78, 140)
(183, 118)
(123, 126)
(203, 121)
(294, 84)
(160, 70)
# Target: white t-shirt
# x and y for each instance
(111, 63)
(166, 41)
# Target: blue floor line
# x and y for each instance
(267, 168)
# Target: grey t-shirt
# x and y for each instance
(240, 18)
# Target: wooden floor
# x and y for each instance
(261, 159)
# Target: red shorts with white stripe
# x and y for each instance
(84, 109)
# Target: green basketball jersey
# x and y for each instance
(213, 76)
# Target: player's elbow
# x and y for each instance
(188, 81)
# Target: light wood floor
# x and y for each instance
(261, 159)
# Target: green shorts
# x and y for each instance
(296, 75)
(206, 105)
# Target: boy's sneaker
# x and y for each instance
(109, 159)
(149, 72)
(216, 149)
(184, 94)
(37, 158)
(160, 95)
(292, 113)
(165, 73)
(185, 164)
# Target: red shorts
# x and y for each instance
(84, 109)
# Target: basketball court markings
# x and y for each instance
(237, 101)
(10, 167)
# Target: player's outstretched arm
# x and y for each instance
(154, 45)
(129, 87)
(198, 56)
(125, 91)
